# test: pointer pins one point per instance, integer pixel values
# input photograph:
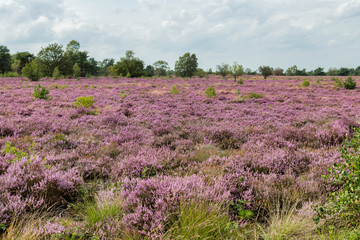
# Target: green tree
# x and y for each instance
(291, 71)
(265, 71)
(5, 59)
(51, 57)
(149, 71)
(20, 59)
(236, 70)
(76, 70)
(186, 65)
(319, 72)
(332, 72)
(278, 72)
(161, 68)
(32, 70)
(129, 66)
(223, 69)
(104, 66)
(56, 73)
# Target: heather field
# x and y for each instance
(121, 158)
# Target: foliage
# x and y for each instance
(5, 59)
(76, 70)
(240, 81)
(349, 83)
(265, 71)
(305, 82)
(210, 92)
(20, 59)
(344, 203)
(319, 72)
(41, 92)
(338, 82)
(32, 71)
(222, 69)
(56, 74)
(129, 66)
(51, 57)
(84, 101)
(200, 73)
(255, 95)
(174, 90)
(186, 65)
(161, 68)
(278, 72)
(236, 70)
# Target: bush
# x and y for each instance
(84, 101)
(255, 95)
(338, 82)
(210, 92)
(56, 73)
(344, 204)
(349, 83)
(32, 71)
(41, 92)
(174, 90)
(240, 81)
(305, 82)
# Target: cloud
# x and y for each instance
(253, 33)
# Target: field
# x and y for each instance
(157, 158)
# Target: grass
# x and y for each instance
(95, 212)
(203, 220)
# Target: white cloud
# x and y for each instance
(276, 32)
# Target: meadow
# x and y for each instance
(171, 158)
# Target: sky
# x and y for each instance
(278, 33)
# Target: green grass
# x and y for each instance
(95, 212)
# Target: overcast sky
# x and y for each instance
(279, 33)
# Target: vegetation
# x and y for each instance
(349, 83)
(265, 71)
(41, 92)
(210, 92)
(32, 70)
(186, 66)
(84, 101)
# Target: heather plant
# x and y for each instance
(41, 92)
(344, 203)
(84, 101)
(210, 92)
(349, 83)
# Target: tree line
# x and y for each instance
(58, 62)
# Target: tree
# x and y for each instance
(186, 65)
(291, 71)
(223, 69)
(129, 66)
(236, 70)
(76, 70)
(278, 72)
(149, 71)
(20, 59)
(332, 72)
(319, 72)
(160, 68)
(32, 70)
(5, 59)
(104, 66)
(265, 71)
(51, 57)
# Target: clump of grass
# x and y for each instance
(210, 92)
(41, 92)
(305, 82)
(174, 90)
(84, 101)
(255, 95)
(203, 220)
(95, 212)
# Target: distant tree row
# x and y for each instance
(55, 61)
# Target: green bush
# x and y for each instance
(84, 101)
(210, 92)
(240, 81)
(41, 92)
(349, 83)
(305, 82)
(344, 204)
(255, 95)
(338, 82)
(174, 90)
(56, 73)
(32, 71)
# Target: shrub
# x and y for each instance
(41, 92)
(32, 71)
(344, 204)
(240, 81)
(255, 95)
(56, 73)
(174, 90)
(210, 92)
(349, 83)
(338, 82)
(84, 101)
(305, 82)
